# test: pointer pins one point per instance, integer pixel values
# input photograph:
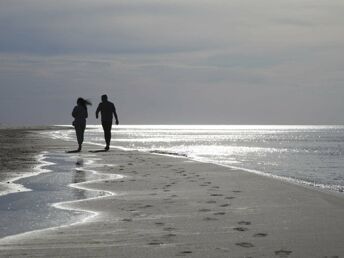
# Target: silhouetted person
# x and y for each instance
(108, 111)
(80, 114)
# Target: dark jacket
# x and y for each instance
(80, 114)
(107, 110)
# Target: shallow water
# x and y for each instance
(306, 154)
(32, 210)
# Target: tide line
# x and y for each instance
(67, 205)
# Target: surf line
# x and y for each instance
(67, 205)
(14, 187)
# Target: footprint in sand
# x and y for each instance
(204, 210)
(236, 191)
(211, 201)
(219, 213)
(245, 244)
(127, 220)
(216, 195)
(155, 242)
(260, 235)
(244, 223)
(159, 223)
(170, 235)
(224, 205)
(222, 249)
(209, 219)
(283, 253)
(229, 197)
(146, 206)
(241, 229)
(183, 253)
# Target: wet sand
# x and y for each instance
(20, 149)
(174, 207)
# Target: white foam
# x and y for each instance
(68, 205)
(13, 187)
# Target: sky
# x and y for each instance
(173, 61)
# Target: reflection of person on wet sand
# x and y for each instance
(79, 177)
(80, 114)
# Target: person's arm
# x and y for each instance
(74, 113)
(98, 110)
(86, 113)
(115, 114)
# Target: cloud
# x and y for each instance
(173, 61)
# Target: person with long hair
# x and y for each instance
(80, 114)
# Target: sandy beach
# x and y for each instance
(174, 207)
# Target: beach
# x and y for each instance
(168, 206)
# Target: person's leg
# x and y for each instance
(107, 133)
(82, 129)
(104, 129)
(79, 135)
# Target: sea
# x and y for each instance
(308, 155)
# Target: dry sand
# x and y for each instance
(172, 207)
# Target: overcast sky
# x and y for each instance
(173, 61)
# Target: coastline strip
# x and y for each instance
(169, 207)
(43, 167)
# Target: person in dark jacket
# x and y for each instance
(108, 111)
(80, 114)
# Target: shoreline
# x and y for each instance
(298, 182)
(68, 205)
(44, 166)
(334, 189)
(10, 185)
(167, 207)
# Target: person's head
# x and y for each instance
(83, 102)
(104, 98)
(80, 101)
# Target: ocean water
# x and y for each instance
(312, 155)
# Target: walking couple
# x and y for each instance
(106, 109)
